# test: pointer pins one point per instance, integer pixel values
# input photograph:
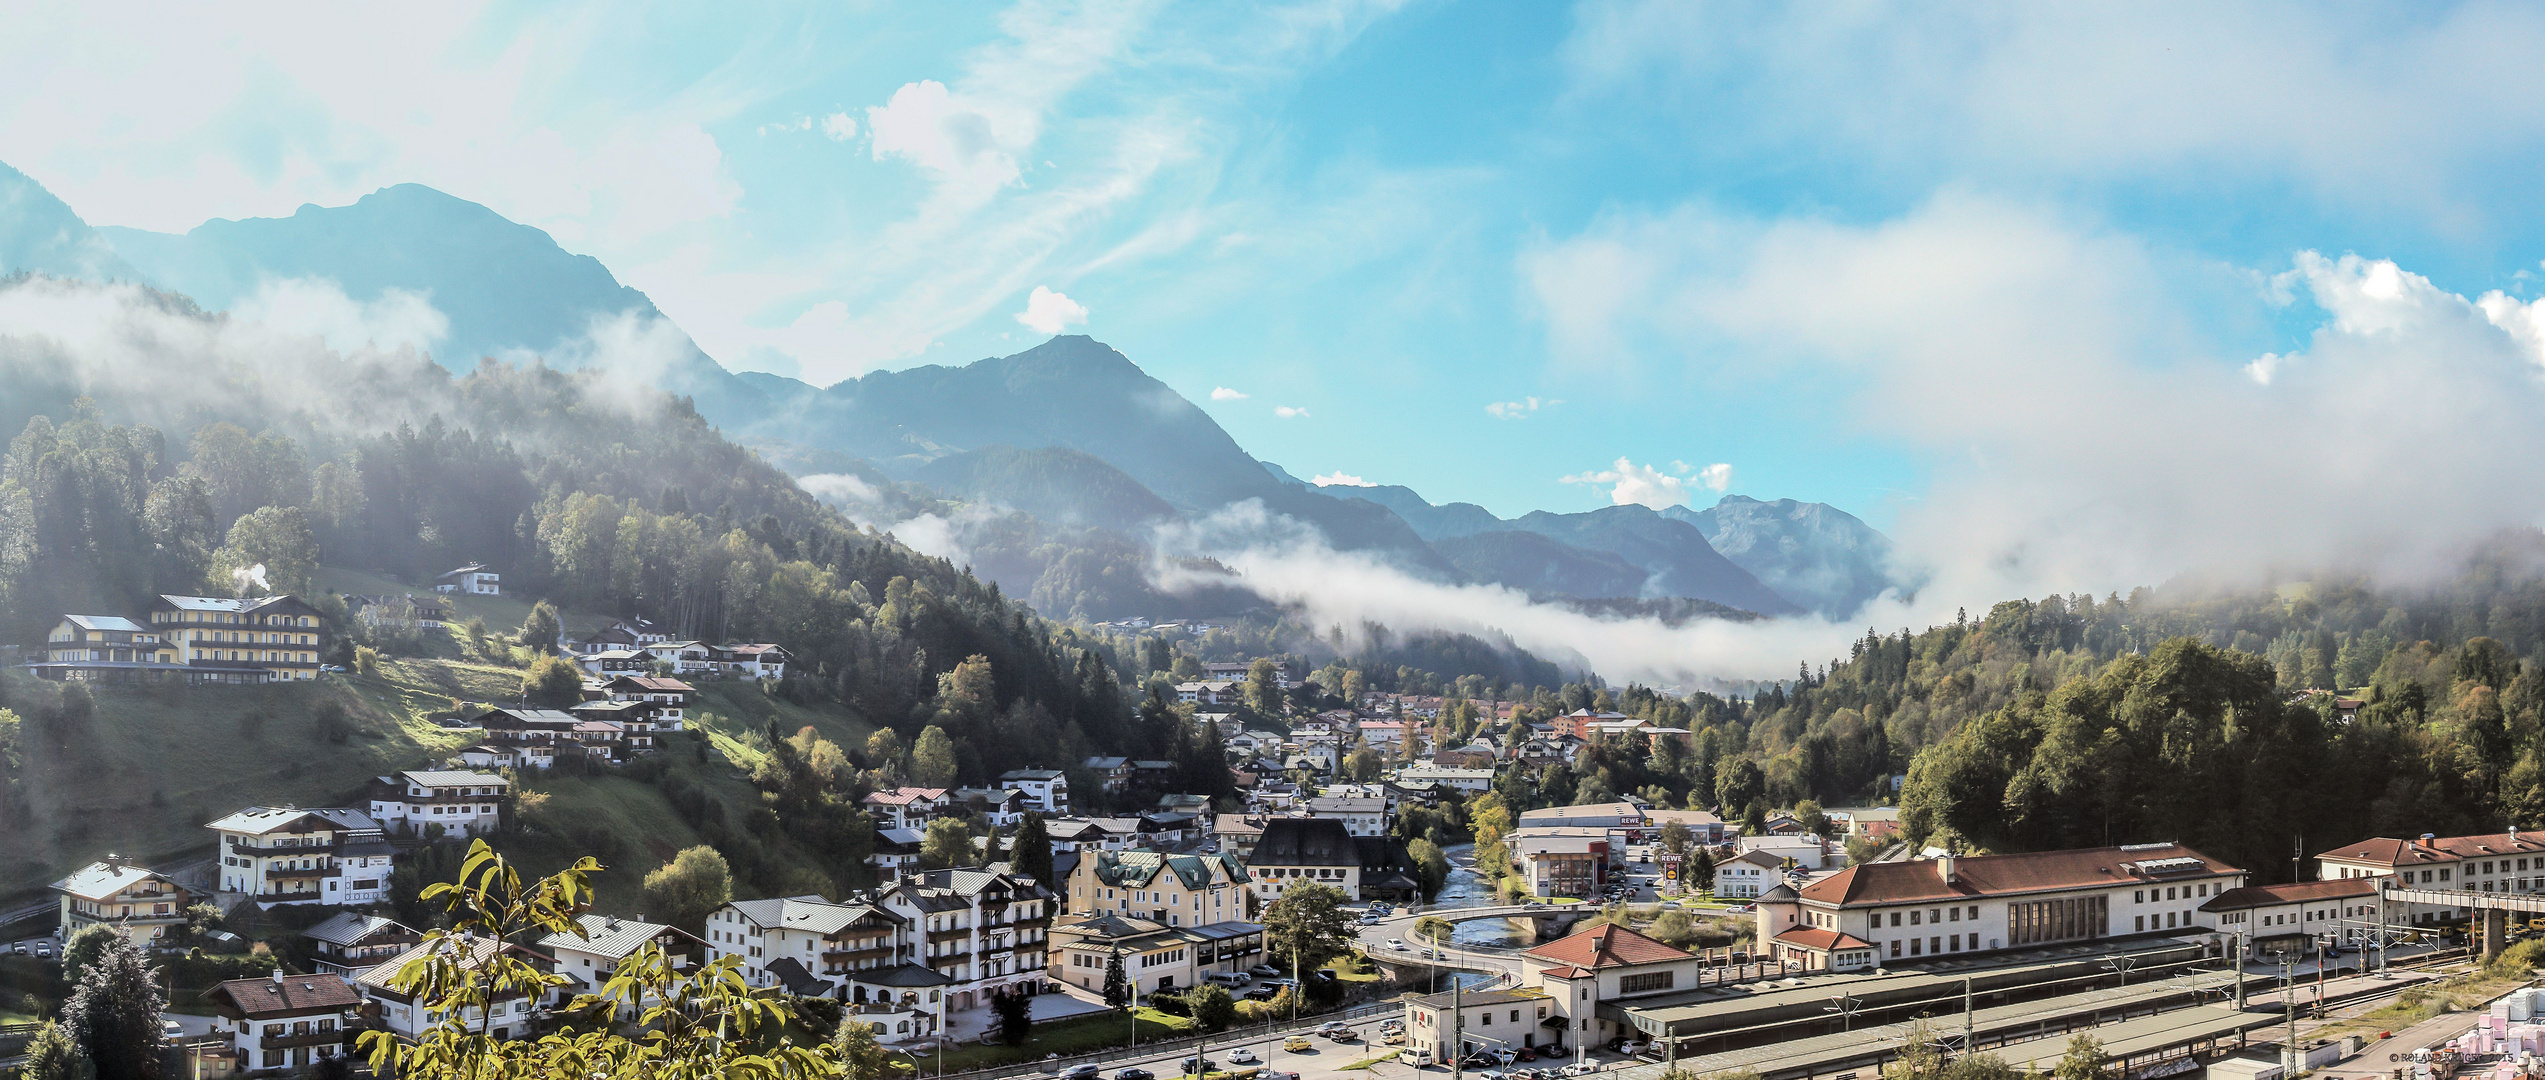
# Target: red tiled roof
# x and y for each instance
(296, 994)
(1820, 940)
(2308, 892)
(1607, 946)
(1567, 973)
(906, 795)
(2386, 851)
(1975, 876)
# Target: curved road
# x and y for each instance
(1400, 927)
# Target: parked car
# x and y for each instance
(1264, 992)
(20, 948)
(1582, 1069)
(1322, 973)
(1243, 1056)
(1525, 1054)
(43, 950)
(1263, 971)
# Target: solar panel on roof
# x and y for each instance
(2170, 866)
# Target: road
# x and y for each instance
(1324, 1060)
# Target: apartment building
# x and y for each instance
(239, 640)
(588, 960)
(284, 1022)
(1155, 956)
(1360, 816)
(940, 938)
(350, 943)
(984, 928)
(1048, 789)
(1959, 905)
(1171, 890)
(462, 803)
(285, 855)
(105, 647)
(1295, 850)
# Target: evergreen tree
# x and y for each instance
(1011, 1017)
(1031, 851)
(541, 630)
(112, 1016)
(1117, 988)
(49, 1056)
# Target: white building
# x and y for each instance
(1294, 851)
(1047, 788)
(1959, 905)
(940, 938)
(285, 1022)
(2511, 862)
(1748, 875)
(507, 1017)
(471, 580)
(284, 855)
(462, 803)
(2300, 915)
(906, 807)
(588, 961)
(1468, 780)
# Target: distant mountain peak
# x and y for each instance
(40, 234)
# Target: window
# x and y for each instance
(1638, 984)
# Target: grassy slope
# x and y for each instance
(158, 762)
(503, 614)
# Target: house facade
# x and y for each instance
(1747, 876)
(284, 1022)
(105, 647)
(462, 803)
(474, 579)
(588, 960)
(1603, 965)
(239, 640)
(2299, 916)
(399, 1012)
(1463, 1024)
(143, 905)
(1047, 789)
(906, 807)
(1171, 890)
(1154, 956)
(1296, 850)
(284, 855)
(350, 943)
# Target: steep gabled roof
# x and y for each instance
(1305, 842)
(1818, 939)
(293, 995)
(1607, 946)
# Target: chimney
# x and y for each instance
(278, 976)
(1944, 866)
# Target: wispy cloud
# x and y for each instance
(1290, 412)
(1340, 479)
(1521, 409)
(1222, 393)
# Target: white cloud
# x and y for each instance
(1519, 410)
(956, 141)
(1289, 412)
(845, 488)
(1048, 312)
(1642, 485)
(1716, 477)
(1222, 393)
(1340, 479)
(838, 127)
(2267, 94)
(2089, 430)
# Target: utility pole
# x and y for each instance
(1966, 1016)
(1846, 1006)
(2289, 995)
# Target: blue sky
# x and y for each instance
(1863, 255)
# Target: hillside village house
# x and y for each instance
(471, 580)
(350, 942)
(1471, 781)
(1293, 850)
(2299, 915)
(284, 1021)
(668, 696)
(400, 1014)
(1238, 670)
(589, 960)
(1559, 861)
(462, 803)
(633, 634)
(2493, 862)
(1597, 966)
(1047, 788)
(1212, 692)
(284, 855)
(938, 938)
(102, 647)
(611, 663)
(1959, 905)
(906, 807)
(242, 640)
(409, 614)
(142, 905)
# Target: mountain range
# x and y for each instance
(1089, 449)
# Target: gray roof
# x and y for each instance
(105, 622)
(1033, 774)
(808, 913)
(1305, 842)
(903, 975)
(1222, 931)
(446, 778)
(609, 936)
(351, 927)
(259, 820)
(99, 880)
(797, 979)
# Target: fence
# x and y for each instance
(1186, 1043)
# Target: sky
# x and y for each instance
(2076, 271)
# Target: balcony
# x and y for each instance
(315, 1038)
(853, 956)
(281, 851)
(962, 934)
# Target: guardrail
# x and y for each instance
(1186, 1043)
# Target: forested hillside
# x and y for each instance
(2188, 714)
